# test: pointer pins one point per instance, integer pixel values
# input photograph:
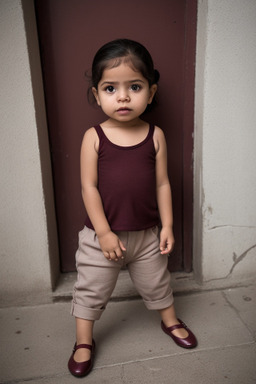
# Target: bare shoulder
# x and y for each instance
(90, 134)
(159, 138)
(91, 139)
(158, 132)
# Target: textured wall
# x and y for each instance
(24, 251)
(225, 154)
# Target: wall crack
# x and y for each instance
(236, 260)
(231, 226)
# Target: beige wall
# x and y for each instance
(225, 156)
(28, 252)
(225, 141)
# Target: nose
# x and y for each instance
(123, 95)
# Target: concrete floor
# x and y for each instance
(36, 342)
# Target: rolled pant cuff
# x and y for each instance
(160, 304)
(85, 313)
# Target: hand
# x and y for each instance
(166, 240)
(111, 246)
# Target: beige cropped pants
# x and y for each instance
(97, 276)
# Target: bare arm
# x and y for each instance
(164, 195)
(110, 244)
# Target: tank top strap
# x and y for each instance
(100, 132)
(151, 130)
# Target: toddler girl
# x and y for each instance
(126, 191)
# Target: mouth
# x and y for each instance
(123, 111)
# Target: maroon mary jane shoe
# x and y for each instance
(188, 342)
(85, 367)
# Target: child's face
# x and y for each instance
(123, 93)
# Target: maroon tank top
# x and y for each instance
(127, 183)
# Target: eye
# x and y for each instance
(110, 89)
(135, 87)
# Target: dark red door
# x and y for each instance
(70, 33)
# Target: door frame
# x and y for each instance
(188, 129)
(188, 133)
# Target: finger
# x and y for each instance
(112, 255)
(122, 245)
(165, 252)
(163, 244)
(106, 254)
(166, 249)
(118, 252)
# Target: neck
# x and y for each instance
(124, 124)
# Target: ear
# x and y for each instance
(152, 92)
(95, 94)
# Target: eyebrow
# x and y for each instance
(117, 82)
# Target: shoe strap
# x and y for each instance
(87, 346)
(177, 326)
